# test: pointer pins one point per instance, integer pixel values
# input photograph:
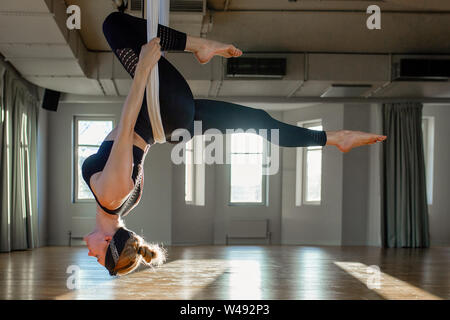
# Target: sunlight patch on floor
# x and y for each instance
(188, 277)
(385, 285)
(245, 279)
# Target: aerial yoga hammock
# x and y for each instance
(167, 105)
(153, 13)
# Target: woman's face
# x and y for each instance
(97, 244)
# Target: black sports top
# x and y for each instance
(96, 162)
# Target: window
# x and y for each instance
(247, 182)
(428, 148)
(189, 172)
(24, 161)
(194, 184)
(309, 170)
(89, 133)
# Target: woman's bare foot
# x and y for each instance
(205, 49)
(345, 140)
(120, 5)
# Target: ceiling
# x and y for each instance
(325, 42)
(408, 26)
(315, 5)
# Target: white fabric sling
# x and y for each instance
(153, 80)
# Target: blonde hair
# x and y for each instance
(135, 251)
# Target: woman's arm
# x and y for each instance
(114, 183)
(149, 56)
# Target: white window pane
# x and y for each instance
(189, 177)
(93, 132)
(246, 168)
(238, 143)
(189, 157)
(425, 139)
(190, 145)
(246, 143)
(313, 175)
(246, 178)
(255, 143)
(427, 134)
(83, 190)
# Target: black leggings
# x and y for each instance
(127, 34)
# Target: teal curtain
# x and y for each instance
(18, 151)
(404, 196)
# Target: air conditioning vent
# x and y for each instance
(256, 67)
(421, 70)
(187, 5)
(135, 8)
(136, 5)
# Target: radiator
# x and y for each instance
(80, 227)
(248, 229)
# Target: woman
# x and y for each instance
(115, 173)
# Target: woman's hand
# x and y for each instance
(150, 54)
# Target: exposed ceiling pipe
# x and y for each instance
(327, 11)
(26, 14)
(70, 98)
(409, 7)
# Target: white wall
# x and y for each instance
(314, 224)
(209, 224)
(355, 179)
(373, 227)
(361, 207)
(224, 212)
(153, 214)
(350, 210)
(192, 224)
(439, 210)
(42, 176)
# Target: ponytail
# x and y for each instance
(136, 250)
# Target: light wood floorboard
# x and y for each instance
(235, 272)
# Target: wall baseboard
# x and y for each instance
(202, 243)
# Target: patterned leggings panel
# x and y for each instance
(127, 34)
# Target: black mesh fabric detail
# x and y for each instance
(129, 59)
(171, 39)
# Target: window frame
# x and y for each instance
(428, 147)
(264, 178)
(75, 146)
(300, 177)
(198, 172)
(192, 167)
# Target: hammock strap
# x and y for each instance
(152, 92)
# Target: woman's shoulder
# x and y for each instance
(110, 196)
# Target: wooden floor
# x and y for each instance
(235, 272)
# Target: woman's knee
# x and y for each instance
(113, 29)
(113, 21)
(124, 31)
(119, 29)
